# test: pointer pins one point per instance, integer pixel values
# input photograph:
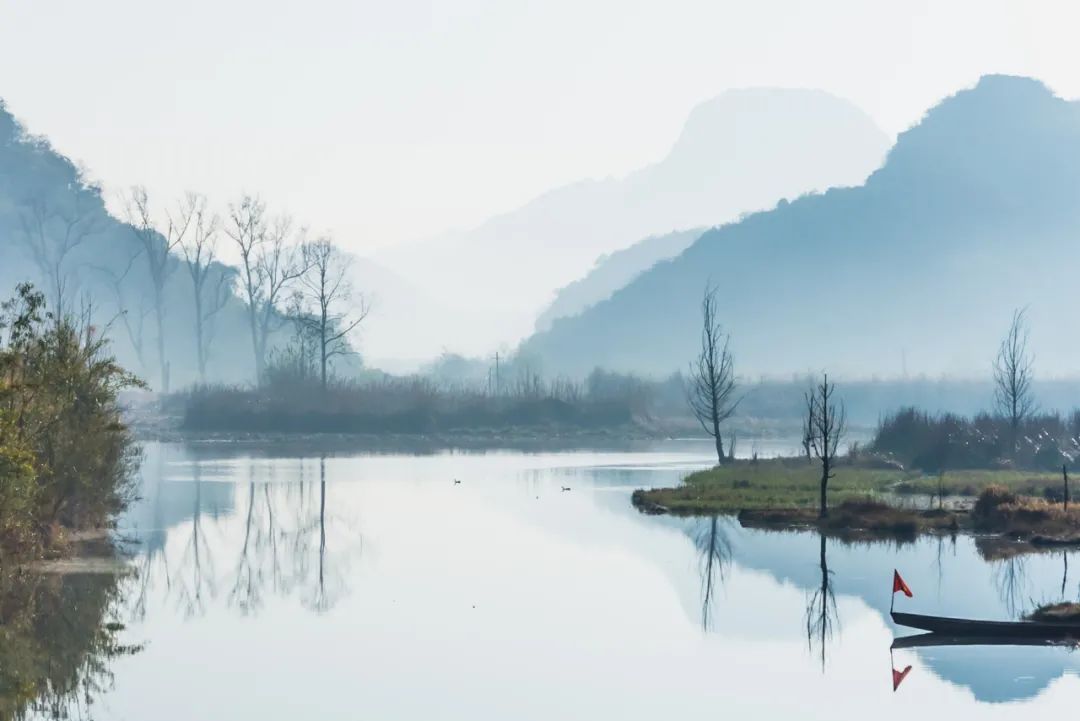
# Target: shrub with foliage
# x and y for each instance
(66, 457)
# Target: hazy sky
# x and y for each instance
(387, 121)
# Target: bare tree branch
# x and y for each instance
(712, 385)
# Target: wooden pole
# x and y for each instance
(1065, 476)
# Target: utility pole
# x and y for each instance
(498, 381)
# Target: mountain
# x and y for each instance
(56, 232)
(973, 214)
(613, 271)
(741, 151)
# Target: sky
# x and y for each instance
(384, 122)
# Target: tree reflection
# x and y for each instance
(1010, 578)
(715, 550)
(58, 636)
(282, 543)
(197, 580)
(822, 615)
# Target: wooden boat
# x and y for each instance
(929, 640)
(962, 627)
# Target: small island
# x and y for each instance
(1004, 472)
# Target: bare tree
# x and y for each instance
(271, 259)
(200, 252)
(157, 243)
(1012, 378)
(328, 290)
(50, 234)
(247, 228)
(132, 315)
(827, 424)
(711, 393)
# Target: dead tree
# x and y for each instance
(827, 424)
(271, 259)
(711, 391)
(328, 291)
(1013, 396)
(280, 262)
(157, 242)
(50, 235)
(247, 229)
(133, 317)
(200, 251)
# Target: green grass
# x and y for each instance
(794, 483)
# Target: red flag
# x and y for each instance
(899, 676)
(899, 585)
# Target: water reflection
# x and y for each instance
(715, 550)
(269, 538)
(327, 575)
(822, 614)
(59, 635)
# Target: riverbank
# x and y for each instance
(875, 501)
(794, 483)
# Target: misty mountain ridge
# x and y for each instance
(742, 151)
(973, 214)
(612, 272)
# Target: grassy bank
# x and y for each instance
(791, 484)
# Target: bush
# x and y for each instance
(65, 455)
(937, 443)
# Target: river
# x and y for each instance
(272, 583)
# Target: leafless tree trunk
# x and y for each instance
(826, 420)
(327, 288)
(1012, 378)
(711, 393)
(247, 228)
(133, 318)
(200, 251)
(281, 261)
(50, 235)
(157, 243)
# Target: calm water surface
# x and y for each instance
(280, 585)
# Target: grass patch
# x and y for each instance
(793, 483)
(767, 485)
(1056, 613)
(1002, 510)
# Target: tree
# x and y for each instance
(271, 259)
(327, 289)
(247, 228)
(711, 393)
(827, 424)
(132, 315)
(156, 245)
(1013, 396)
(200, 250)
(51, 234)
